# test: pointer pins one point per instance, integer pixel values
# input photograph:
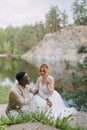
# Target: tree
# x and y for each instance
(64, 19)
(10, 39)
(53, 19)
(2, 40)
(79, 9)
(40, 30)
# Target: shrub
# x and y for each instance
(82, 49)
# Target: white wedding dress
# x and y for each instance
(58, 109)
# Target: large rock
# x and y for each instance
(31, 126)
(79, 119)
(59, 46)
(59, 49)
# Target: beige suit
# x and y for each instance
(19, 96)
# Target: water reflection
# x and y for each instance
(9, 67)
(7, 82)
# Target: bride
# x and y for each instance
(48, 98)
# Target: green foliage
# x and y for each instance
(76, 80)
(4, 93)
(79, 8)
(64, 19)
(20, 40)
(61, 124)
(82, 69)
(67, 64)
(82, 49)
(84, 79)
(2, 127)
(80, 66)
(79, 98)
(85, 62)
(53, 19)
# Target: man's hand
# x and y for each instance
(49, 103)
(35, 92)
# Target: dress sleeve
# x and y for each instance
(50, 84)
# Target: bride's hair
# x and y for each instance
(44, 66)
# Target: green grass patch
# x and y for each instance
(61, 124)
(82, 49)
(4, 93)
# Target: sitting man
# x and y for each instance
(19, 96)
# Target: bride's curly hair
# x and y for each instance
(45, 66)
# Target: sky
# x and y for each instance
(21, 12)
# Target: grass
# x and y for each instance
(61, 124)
(4, 93)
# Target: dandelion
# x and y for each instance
(18, 107)
(72, 118)
(46, 107)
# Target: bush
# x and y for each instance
(82, 49)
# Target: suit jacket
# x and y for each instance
(19, 96)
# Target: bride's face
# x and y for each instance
(43, 71)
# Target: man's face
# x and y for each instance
(25, 79)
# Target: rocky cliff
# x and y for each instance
(60, 51)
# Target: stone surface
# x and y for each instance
(79, 119)
(31, 126)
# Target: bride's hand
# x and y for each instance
(49, 103)
(48, 81)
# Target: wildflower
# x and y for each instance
(18, 107)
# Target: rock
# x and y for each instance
(31, 126)
(79, 119)
(59, 50)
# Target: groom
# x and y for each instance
(19, 95)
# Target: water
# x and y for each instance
(10, 66)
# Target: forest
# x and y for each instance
(19, 40)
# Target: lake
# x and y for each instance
(10, 66)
